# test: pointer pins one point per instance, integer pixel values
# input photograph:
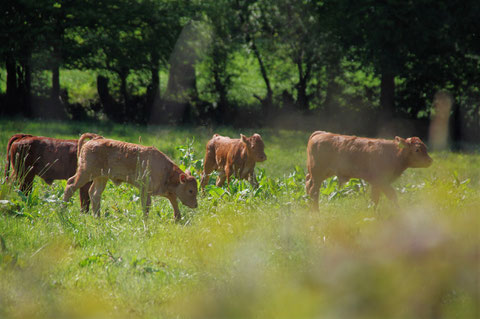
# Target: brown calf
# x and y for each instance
(233, 156)
(144, 167)
(377, 161)
(49, 158)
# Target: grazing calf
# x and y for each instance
(49, 158)
(233, 156)
(377, 161)
(144, 167)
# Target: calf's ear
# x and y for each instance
(183, 178)
(244, 139)
(401, 143)
(188, 172)
(414, 140)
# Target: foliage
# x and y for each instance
(245, 61)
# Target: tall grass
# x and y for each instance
(244, 252)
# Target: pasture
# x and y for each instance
(245, 253)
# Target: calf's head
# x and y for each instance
(255, 146)
(186, 190)
(415, 150)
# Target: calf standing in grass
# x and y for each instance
(378, 161)
(49, 158)
(233, 156)
(144, 167)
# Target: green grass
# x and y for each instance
(248, 253)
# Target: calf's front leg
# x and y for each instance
(253, 179)
(74, 183)
(176, 211)
(389, 191)
(146, 198)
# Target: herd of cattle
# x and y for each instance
(88, 163)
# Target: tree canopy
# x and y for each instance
(228, 58)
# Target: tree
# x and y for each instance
(250, 14)
(225, 38)
(298, 32)
(20, 28)
(123, 36)
(394, 37)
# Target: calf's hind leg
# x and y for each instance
(312, 186)
(221, 178)
(95, 193)
(84, 197)
(26, 182)
(146, 198)
(375, 196)
(208, 168)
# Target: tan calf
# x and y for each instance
(144, 167)
(233, 156)
(377, 161)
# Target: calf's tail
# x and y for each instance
(12, 139)
(81, 140)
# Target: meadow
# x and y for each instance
(246, 252)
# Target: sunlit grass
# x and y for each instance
(248, 253)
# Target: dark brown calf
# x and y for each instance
(233, 156)
(49, 158)
(377, 161)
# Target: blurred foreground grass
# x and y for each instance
(248, 253)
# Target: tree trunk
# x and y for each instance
(55, 94)
(302, 98)
(222, 115)
(103, 91)
(387, 94)
(152, 109)
(456, 128)
(302, 102)
(331, 90)
(267, 102)
(155, 78)
(153, 93)
(27, 88)
(110, 108)
(155, 82)
(123, 74)
(11, 85)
